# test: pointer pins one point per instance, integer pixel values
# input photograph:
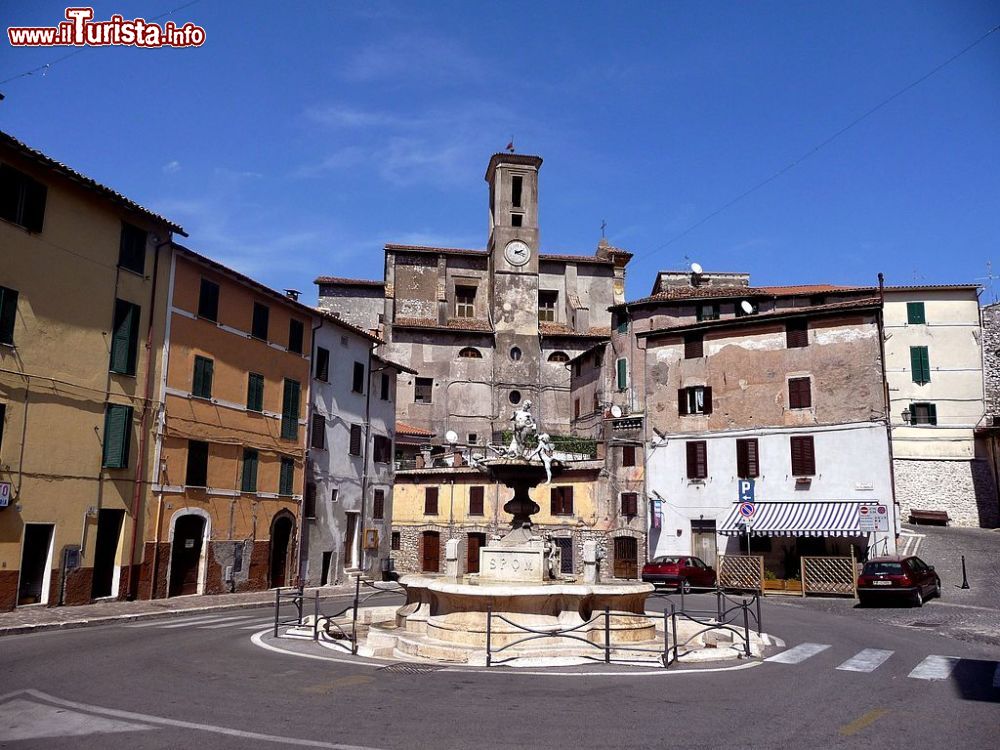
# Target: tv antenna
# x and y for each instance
(989, 278)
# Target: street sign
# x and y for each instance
(747, 509)
(746, 491)
(873, 518)
(4, 494)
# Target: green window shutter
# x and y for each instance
(203, 371)
(622, 374)
(255, 392)
(125, 338)
(920, 364)
(8, 314)
(286, 480)
(290, 410)
(250, 460)
(117, 436)
(931, 413)
(915, 313)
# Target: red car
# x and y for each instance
(896, 577)
(679, 571)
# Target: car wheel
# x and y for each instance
(937, 588)
(918, 598)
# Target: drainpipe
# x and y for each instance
(131, 580)
(880, 321)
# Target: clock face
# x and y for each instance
(517, 253)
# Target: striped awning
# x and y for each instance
(797, 519)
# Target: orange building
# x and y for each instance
(228, 465)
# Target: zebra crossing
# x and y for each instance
(933, 667)
(208, 622)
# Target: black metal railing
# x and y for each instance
(294, 595)
(726, 604)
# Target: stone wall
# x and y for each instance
(991, 357)
(965, 489)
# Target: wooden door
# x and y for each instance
(349, 542)
(431, 551)
(185, 555)
(703, 541)
(626, 563)
(475, 543)
(281, 538)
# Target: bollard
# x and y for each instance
(354, 619)
(277, 609)
(489, 633)
(746, 626)
(757, 600)
(607, 635)
(718, 605)
(666, 648)
(316, 616)
(965, 578)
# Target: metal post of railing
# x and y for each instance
(489, 633)
(759, 626)
(666, 648)
(718, 605)
(673, 628)
(316, 616)
(607, 635)
(277, 609)
(682, 596)
(746, 626)
(299, 596)
(354, 618)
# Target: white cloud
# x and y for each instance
(172, 167)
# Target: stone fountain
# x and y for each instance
(447, 617)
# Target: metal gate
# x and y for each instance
(742, 572)
(829, 575)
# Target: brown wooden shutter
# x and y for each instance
(309, 502)
(694, 346)
(476, 501)
(430, 501)
(747, 465)
(628, 455)
(355, 447)
(568, 501)
(682, 401)
(378, 504)
(630, 504)
(797, 334)
(318, 438)
(708, 401)
(803, 456)
(697, 463)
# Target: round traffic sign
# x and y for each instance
(864, 510)
(747, 509)
(881, 510)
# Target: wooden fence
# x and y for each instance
(829, 575)
(743, 572)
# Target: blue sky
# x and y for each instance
(303, 136)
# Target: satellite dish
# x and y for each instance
(696, 269)
(746, 307)
(616, 411)
(451, 436)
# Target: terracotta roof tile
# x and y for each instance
(454, 324)
(405, 429)
(701, 292)
(559, 329)
(566, 258)
(341, 281)
(806, 289)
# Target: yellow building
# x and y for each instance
(83, 281)
(228, 469)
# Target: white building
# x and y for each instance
(348, 504)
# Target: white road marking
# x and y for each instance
(935, 667)
(798, 654)
(229, 624)
(24, 719)
(161, 623)
(203, 622)
(131, 716)
(867, 660)
(257, 625)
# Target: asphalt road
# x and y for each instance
(184, 682)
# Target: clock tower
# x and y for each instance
(513, 248)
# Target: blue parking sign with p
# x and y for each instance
(746, 494)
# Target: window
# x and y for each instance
(318, 432)
(515, 354)
(132, 248)
(22, 199)
(516, 219)
(322, 364)
(694, 346)
(514, 397)
(694, 400)
(261, 314)
(396, 543)
(296, 331)
(697, 459)
(747, 462)
(255, 392)
(286, 476)
(430, 501)
(915, 313)
(384, 387)
(422, 390)
(476, 495)
(472, 438)
(124, 338)
(208, 301)
(201, 386)
(561, 499)
(251, 459)
(382, 449)
(197, 464)
(576, 408)
(358, 381)
(621, 373)
(309, 501)
(8, 314)
(630, 504)
(547, 300)
(799, 393)
(117, 436)
(803, 456)
(465, 301)
(355, 446)
(621, 326)
(516, 185)
(378, 504)
(708, 312)
(334, 495)
(797, 334)
(559, 357)
(920, 364)
(470, 352)
(923, 413)
(290, 410)
(628, 455)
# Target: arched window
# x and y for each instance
(559, 357)
(470, 353)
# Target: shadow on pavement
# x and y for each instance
(974, 680)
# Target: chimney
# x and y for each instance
(293, 294)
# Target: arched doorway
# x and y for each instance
(281, 542)
(185, 555)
